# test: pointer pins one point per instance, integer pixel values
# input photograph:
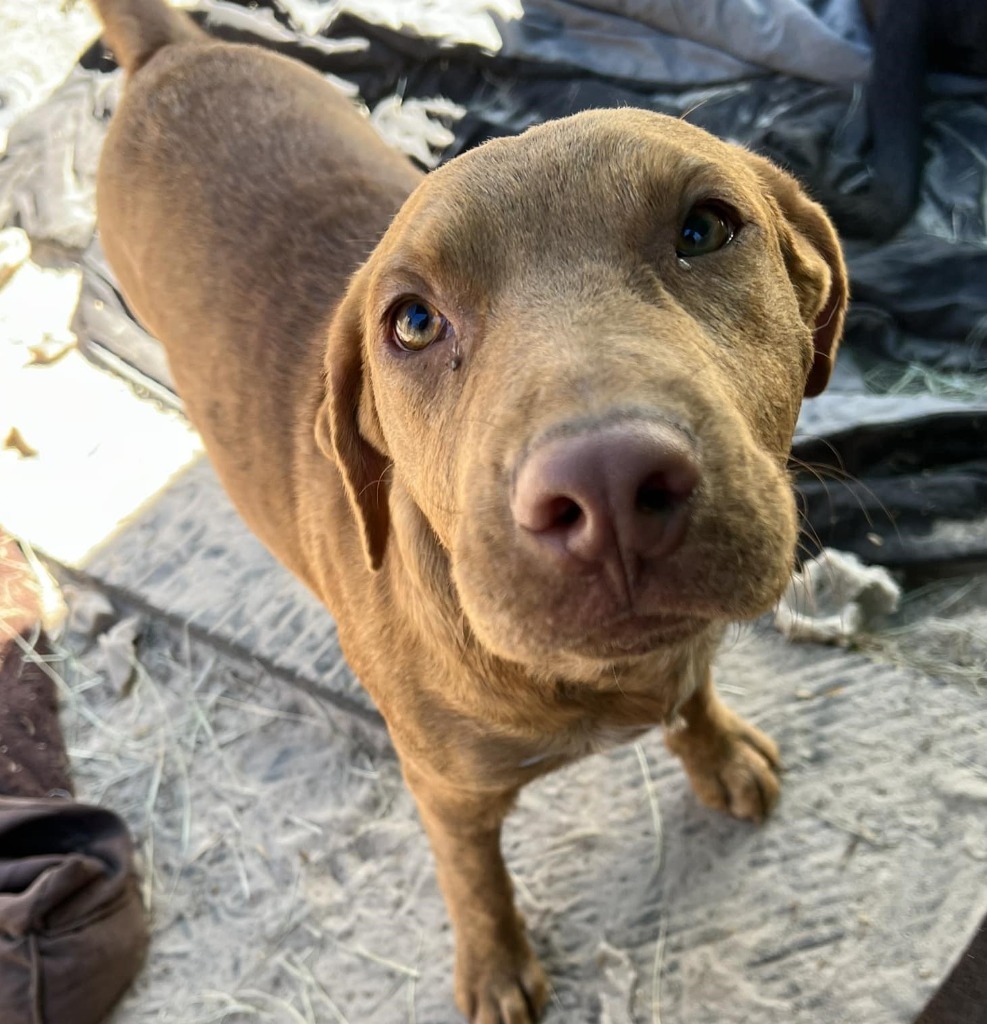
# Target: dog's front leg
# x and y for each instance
(498, 980)
(732, 766)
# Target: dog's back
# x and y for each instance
(270, 217)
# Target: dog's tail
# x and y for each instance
(136, 29)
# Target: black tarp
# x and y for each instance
(891, 461)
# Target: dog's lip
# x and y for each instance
(636, 635)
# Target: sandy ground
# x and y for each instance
(204, 755)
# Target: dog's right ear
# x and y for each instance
(347, 429)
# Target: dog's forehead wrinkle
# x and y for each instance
(606, 289)
(517, 210)
(402, 269)
(504, 196)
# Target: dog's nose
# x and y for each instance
(611, 496)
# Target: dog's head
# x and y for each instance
(579, 355)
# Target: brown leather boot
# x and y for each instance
(72, 929)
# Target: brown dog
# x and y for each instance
(531, 452)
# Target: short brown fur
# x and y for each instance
(263, 232)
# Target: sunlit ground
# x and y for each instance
(86, 452)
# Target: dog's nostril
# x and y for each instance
(564, 512)
(668, 488)
(658, 493)
(654, 496)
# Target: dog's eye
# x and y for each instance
(417, 325)
(706, 228)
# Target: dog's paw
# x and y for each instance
(491, 991)
(733, 768)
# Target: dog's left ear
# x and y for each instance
(347, 429)
(815, 264)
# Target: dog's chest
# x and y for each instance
(598, 723)
(581, 741)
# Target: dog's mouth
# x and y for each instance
(637, 635)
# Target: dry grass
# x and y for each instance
(939, 630)
(211, 764)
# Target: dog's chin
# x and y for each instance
(582, 640)
(634, 636)
(588, 653)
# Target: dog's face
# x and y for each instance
(581, 353)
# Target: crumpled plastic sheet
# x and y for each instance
(892, 451)
(694, 43)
